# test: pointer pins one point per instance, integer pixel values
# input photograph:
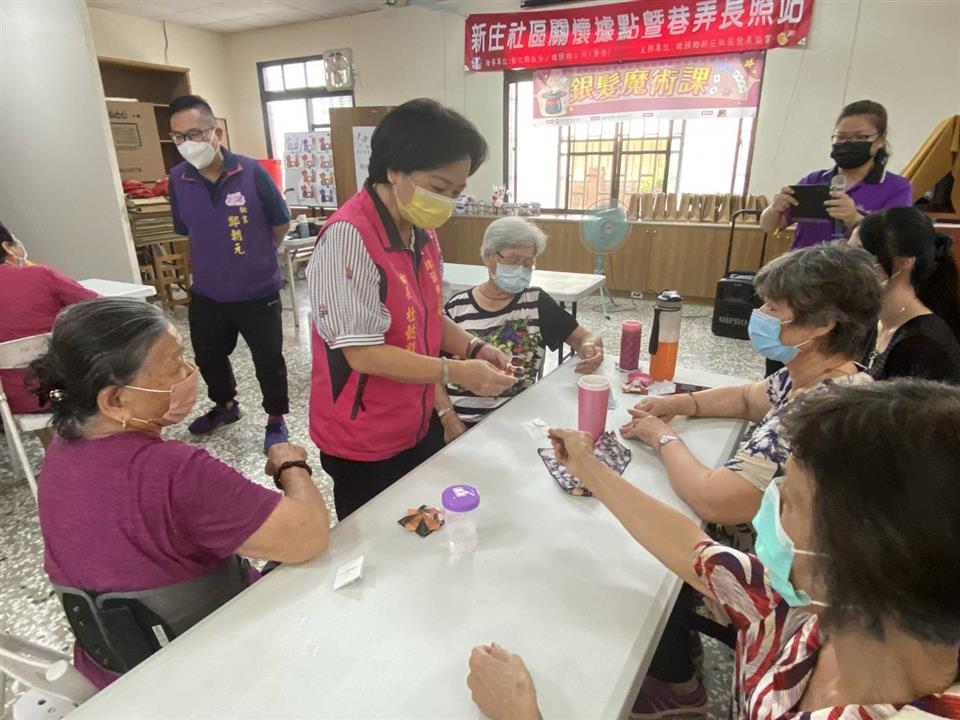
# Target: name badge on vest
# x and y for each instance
(235, 199)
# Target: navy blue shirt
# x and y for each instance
(274, 206)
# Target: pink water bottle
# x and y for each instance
(630, 335)
(592, 396)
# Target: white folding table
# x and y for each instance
(554, 578)
(115, 288)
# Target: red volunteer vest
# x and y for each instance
(365, 417)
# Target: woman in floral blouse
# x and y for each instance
(849, 610)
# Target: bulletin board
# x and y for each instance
(346, 125)
(308, 168)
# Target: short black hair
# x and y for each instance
(886, 505)
(5, 237)
(190, 102)
(94, 344)
(422, 134)
(907, 232)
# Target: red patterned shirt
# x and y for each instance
(777, 647)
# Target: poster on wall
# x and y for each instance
(308, 168)
(629, 31)
(361, 152)
(673, 89)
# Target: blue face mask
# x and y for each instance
(512, 278)
(775, 549)
(764, 333)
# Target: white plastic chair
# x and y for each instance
(56, 687)
(16, 354)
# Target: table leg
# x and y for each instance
(292, 287)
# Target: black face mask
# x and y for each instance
(849, 155)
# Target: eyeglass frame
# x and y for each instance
(840, 139)
(186, 136)
(531, 266)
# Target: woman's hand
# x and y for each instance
(591, 353)
(784, 200)
(501, 685)
(665, 408)
(453, 426)
(646, 427)
(280, 453)
(493, 356)
(572, 447)
(842, 207)
(480, 377)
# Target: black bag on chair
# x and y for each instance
(735, 298)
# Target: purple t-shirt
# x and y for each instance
(878, 190)
(130, 511)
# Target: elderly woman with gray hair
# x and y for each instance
(520, 320)
(819, 306)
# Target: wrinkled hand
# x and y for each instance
(784, 199)
(501, 685)
(280, 453)
(480, 377)
(495, 357)
(572, 448)
(665, 408)
(646, 428)
(591, 354)
(453, 427)
(842, 207)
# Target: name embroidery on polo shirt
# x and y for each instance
(235, 225)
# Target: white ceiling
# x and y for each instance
(227, 16)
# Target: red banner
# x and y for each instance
(638, 30)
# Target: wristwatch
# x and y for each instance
(665, 440)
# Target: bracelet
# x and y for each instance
(476, 349)
(444, 371)
(696, 405)
(441, 413)
(471, 347)
(286, 466)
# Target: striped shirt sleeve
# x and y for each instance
(344, 287)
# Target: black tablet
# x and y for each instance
(811, 199)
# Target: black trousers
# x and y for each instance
(214, 328)
(673, 660)
(355, 482)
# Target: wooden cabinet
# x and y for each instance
(687, 257)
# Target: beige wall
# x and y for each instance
(60, 188)
(905, 55)
(128, 37)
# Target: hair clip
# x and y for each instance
(56, 395)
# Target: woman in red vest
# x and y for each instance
(376, 291)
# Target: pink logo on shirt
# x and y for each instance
(235, 199)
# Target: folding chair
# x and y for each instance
(16, 354)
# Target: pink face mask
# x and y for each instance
(183, 396)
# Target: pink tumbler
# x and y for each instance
(630, 336)
(593, 395)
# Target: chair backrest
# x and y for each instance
(21, 352)
(43, 669)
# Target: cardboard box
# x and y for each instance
(136, 140)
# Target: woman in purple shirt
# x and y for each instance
(860, 152)
(124, 511)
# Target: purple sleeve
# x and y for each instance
(902, 195)
(214, 505)
(179, 226)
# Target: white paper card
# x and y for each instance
(348, 573)
(536, 428)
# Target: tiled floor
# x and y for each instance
(29, 608)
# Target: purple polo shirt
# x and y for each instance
(230, 224)
(878, 190)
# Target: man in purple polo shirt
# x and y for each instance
(860, 153)
(235, 218)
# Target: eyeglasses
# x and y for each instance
(854, 138)
(529, 263)
(194, 135)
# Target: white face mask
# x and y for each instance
(19, 260)
(199, 154)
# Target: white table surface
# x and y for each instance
(114, 288)
(562, 286)
(554, 578)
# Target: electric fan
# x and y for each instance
(603, 229)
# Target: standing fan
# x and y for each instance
(603, 229)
